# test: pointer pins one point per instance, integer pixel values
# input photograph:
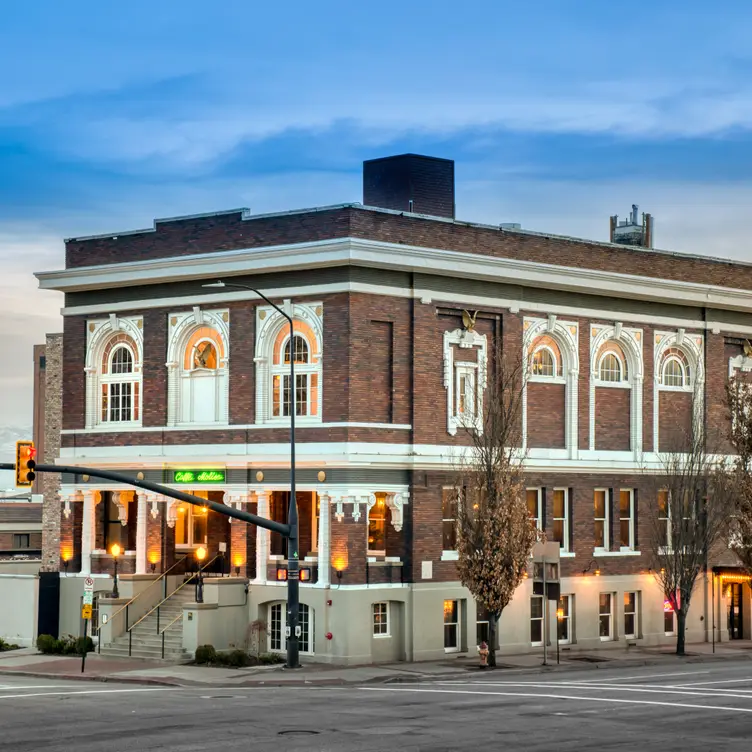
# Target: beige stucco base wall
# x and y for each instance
(19, 595)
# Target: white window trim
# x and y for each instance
(458, 624)
(464, 339)
(542, 620)
(388, 621)
(269, 323)
(539, 506)
(570, 619)
(612, 632)
(283, 626)
(630, 549)
(557, 366)
(622, 383)
(636, 634)
(566, 544)
(606, 520)
(470, 418)
(448, 554)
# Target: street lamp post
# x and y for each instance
(200, 556)
(115, 551)
(293, 563)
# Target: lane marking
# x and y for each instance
(15, 687)
(720, 681)
(92, 692)
(642, 676)
(616, 701)
(647, 689)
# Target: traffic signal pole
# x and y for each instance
(238, 514)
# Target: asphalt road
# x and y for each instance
(705, 706)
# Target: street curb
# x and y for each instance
(104, 678)
(398, 678)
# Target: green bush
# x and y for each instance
(7, 646)
(46, 644)
(267, 659)
(237, 659)
(206, 655)
(84, 644)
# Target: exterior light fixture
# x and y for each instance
(115, 551)
(200, 556)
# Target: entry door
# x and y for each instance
(278, 626)
(735, 614)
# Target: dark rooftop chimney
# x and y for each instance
(410, 183)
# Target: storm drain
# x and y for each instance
(298, 732)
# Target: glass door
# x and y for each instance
(735, 612)
(451, 626)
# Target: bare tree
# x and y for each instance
(495, 533)
(687, 515)
(739, 401)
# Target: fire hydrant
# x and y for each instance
(483, 652)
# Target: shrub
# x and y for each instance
(7, 646)
(237, 659)
(267, 659)
(84, 644)
(46, 644)
(206, 655)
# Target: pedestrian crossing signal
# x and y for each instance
(25, 463)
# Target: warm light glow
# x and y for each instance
(305, 575)
(663, 571)
(597, 572)
(559, 613)
(281, 573)
(153, 557)
(116, 550)
(200, 553)
(735, 578)
(238, 561)
(340, 564)
(66, 554)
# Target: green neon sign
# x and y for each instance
(199, 476)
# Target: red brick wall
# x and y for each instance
(154, 370)
(647, 389)
(612, 419)
(674, 420)
(74, 378)
(545, 415)
(242, 367)
(349, 543)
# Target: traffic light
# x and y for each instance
(25, 463)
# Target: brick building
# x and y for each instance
(189, 386)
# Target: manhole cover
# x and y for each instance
(297, 732)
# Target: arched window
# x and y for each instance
(201, 396)
(119, 385)
(612, 368)
(543, 363)
(300, 349)
(675, 371)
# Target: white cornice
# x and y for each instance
(394, 256)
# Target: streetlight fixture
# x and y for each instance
(115, 551)
(200, 556)
(293, 572)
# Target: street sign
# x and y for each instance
(86, 611)
(88, 599)
(88, 585)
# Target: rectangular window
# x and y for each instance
(561, 518)
(451, 626)
(601, 519)
(606, 616)
(626, 519)
(380, 619)
(377, 525)
(668, 622)
(536, 620)
(466, 398)
(482, 633)
(664, 515)
(449, 498)
(114, 531)
(21, 540)
(564, 619)
(631, 624)
(535, 506)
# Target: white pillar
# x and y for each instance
(141, 538)
(325, 543)
(88, 528)
(262, 538)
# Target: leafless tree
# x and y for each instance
(687, 515)
(495, 533)
(739, 401)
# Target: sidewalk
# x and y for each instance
(28, 662)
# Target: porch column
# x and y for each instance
(239, 532)
(141, 534)
(262, 538)
(88, 528)
(325, 543)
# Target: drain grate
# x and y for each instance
(298, 732)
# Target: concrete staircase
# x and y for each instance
(146, 640)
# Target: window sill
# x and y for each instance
(607, 639)
(450, 556)
(546, 380)
(601, 553)
(567, 555)
(612, 384)
(381, 636)
(115, 427)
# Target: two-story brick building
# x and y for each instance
(190, 386)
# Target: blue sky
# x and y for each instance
(557, 113)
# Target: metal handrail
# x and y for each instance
(162, 633)
(161, 578)
(177, 589)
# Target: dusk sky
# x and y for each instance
(557, 113)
